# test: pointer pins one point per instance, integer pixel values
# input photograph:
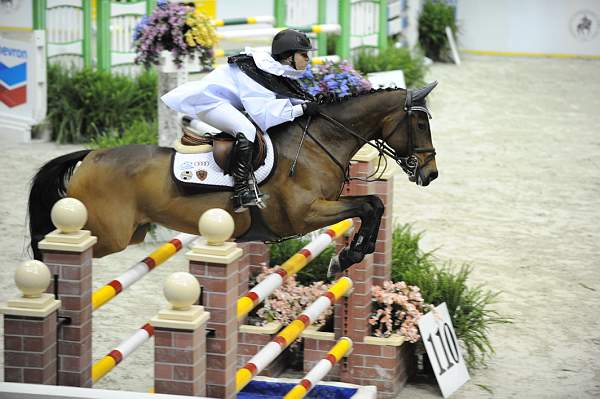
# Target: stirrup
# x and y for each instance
(259, 198)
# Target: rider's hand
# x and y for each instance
(310, 108)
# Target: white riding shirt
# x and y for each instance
(228, 84)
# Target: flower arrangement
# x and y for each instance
(329, 78)
(397, 308)
(289, 301)
(177, 28)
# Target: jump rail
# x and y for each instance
(290, 333)
(103, 295)
(246, 33)
(115, 356)
(342, 348)
(290, 267)
(264, 19)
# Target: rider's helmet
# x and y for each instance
(289, 40)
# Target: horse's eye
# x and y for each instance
(421, 125)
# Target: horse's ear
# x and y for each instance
(420, 94)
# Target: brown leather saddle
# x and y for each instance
(223, 146)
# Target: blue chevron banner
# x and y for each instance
(11, 76)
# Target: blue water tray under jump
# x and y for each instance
(277, 390)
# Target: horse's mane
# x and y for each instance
(332, 98)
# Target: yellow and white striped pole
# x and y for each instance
(244, 21)
(114, 357)
(321, 369)
(137, 271)
(290, 333)
(290, 267)
(270, 32)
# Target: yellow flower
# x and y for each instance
(201, 31)
(189, 40)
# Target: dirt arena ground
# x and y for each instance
(518, 144)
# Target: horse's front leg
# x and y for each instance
(368, 208)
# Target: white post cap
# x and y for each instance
(181, 290)
(32, 277)
(216, 226)
(68, 215)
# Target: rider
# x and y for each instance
(264, 86)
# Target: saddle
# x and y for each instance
(221, 144)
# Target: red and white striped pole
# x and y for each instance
(289, 334)
(133, 274)
(114, 357)
(321, 369)
(290, 267)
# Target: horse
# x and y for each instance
(126, 189)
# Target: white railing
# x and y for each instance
(64, 32)
(123, 19)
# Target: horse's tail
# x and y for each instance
(48, 186)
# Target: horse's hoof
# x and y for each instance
(334, 266)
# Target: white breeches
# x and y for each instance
(228, 119)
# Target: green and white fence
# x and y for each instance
(364, 23)
(68, 32)
(74, 37)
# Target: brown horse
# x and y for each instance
(127, 188)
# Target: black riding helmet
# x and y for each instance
(290, 40)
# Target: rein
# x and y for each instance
(409, 164)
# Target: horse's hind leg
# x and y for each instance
(112, 220)
(140, 233)
(115, 230)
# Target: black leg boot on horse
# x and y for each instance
(245, 189)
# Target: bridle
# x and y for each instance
(409, 164)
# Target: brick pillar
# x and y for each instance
(245, 267)
(351, 315)
(364, 164)
(216, 267)
(382, 258)
(260, 255)
(256, 255)
(30, 335)
(180, 349)
(69, 256)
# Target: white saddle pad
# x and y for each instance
(202, 168)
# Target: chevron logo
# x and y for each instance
(13, 87)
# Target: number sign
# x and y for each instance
(443, 350)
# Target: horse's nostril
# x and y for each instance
(433, 175)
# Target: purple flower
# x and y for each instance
(340, 80)
(164, 29)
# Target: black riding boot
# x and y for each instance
(244, 194)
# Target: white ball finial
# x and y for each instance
(181, 290)
(216, 225)
(32, 277)
(68, 215)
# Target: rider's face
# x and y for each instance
(301, 58)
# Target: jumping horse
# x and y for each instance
(127, 188)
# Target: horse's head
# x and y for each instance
(408, 135)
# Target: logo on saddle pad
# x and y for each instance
(201, 174)
(186, 175)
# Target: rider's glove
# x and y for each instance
(311, 108)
